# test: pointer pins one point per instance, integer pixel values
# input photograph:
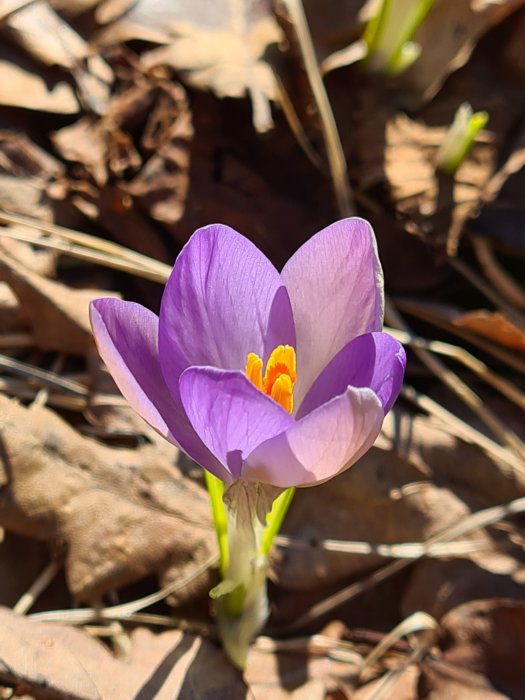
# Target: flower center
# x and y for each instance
(279, 376)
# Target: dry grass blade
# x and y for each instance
(469, 274)
(404, 550)
(422, 311)
(496, 273)
(85, 247)
(334, 150)
(295, 125)
(464, 431)
(481, 519)
(22, 390)
(26, 602)
(42, 395)
(82, 616)
(459, 388)
(418, 622)
(47, 378)
(319, 644)
(510, 391)
(15, 341)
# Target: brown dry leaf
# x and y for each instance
(459, 24)
(346, 508)
(218, 47)
(437, 586)
(482, 652)
(26, 174)
(434, 203)
(493, 325)
(58, 316)
(124, 514)
(303, 674)
(74, 7)
(10, 316)
(62, 663)
(24, 84)
(143, 143)
(408, 479)
(47, 38)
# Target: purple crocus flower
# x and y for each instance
(196, 372)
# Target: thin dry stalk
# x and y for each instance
(39, 585)
(334, 149)
(459, 388)
(496, 273)
(466, 525)
(82, 616)
(510, 391)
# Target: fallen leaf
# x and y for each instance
(437, 586)
(482, 650)
(134, 162)
(27, 173)
(493, 325)
(61, 663)
(124, 514)
(221, 48)
(24, 84)
(58, 316)
(407, 478)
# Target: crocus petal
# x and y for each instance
(335, 285)
(229, 413)
(320, 445)
(223, 300)
(374, 360)
(126, 337)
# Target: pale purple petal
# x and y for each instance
(126, 337)
(320, 445)
(335, 285)
(229, 413)
(224, 299)
(374, 360)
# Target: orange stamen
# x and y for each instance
(279, 376)
(253, 370)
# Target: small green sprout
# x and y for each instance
(459, 138)
(389, 32)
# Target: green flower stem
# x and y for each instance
(216, 490)
(275, 518)
(241, 601)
